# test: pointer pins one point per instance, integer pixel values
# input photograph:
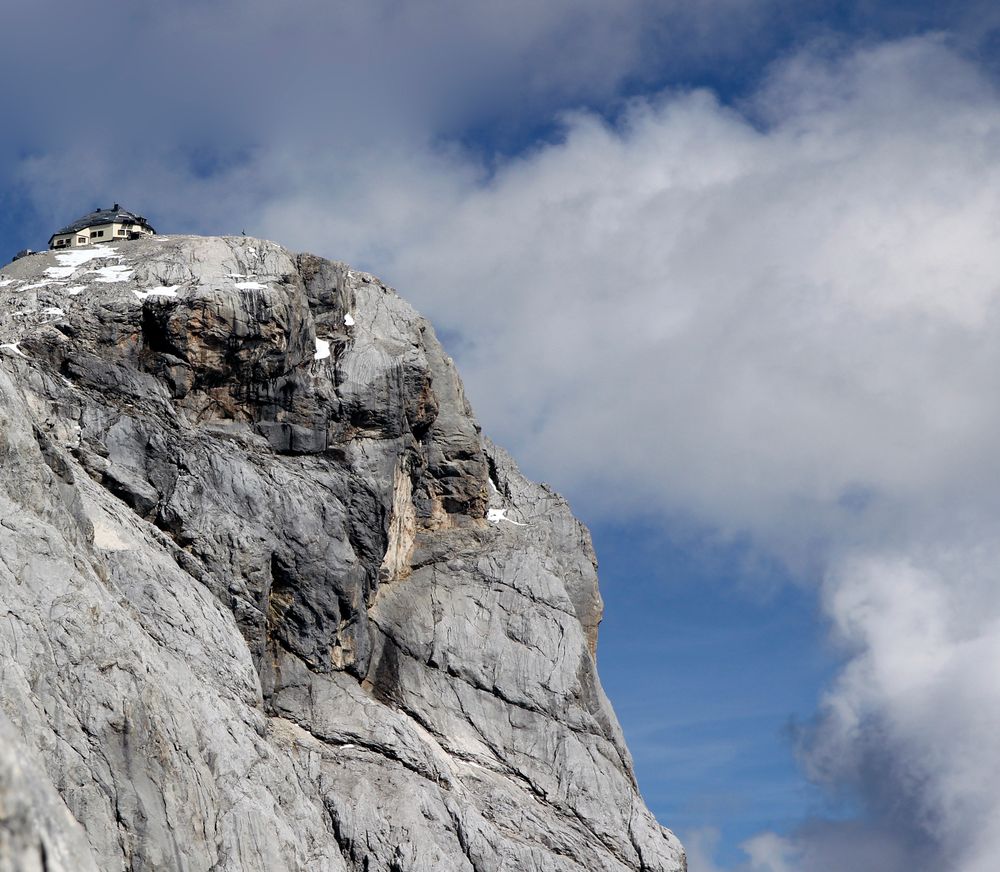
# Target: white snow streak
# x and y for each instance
(498, 515)
(157, 292)
(111, 274)
(251, 286)
(12, 346)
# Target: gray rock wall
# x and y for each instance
(270, 600)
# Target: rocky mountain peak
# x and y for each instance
(272, 599)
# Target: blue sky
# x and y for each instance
(723, 273)
(712, 744)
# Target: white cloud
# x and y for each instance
(917, 707)
(769, 853)
(700, 846)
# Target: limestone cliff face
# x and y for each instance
(268, 598)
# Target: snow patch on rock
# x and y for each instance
(498, 515)
(113, 274)
(71, 261)
(12, 346)
(157, 292)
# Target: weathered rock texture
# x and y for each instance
(270, 601)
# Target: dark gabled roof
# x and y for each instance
(103, 216)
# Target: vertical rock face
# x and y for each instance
(268, 598)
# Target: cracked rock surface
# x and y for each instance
(269, 600)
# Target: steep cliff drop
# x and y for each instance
(269, 600)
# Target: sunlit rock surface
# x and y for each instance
(270, 600)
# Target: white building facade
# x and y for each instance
(101, 225)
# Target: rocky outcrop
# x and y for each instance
(270, 600)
